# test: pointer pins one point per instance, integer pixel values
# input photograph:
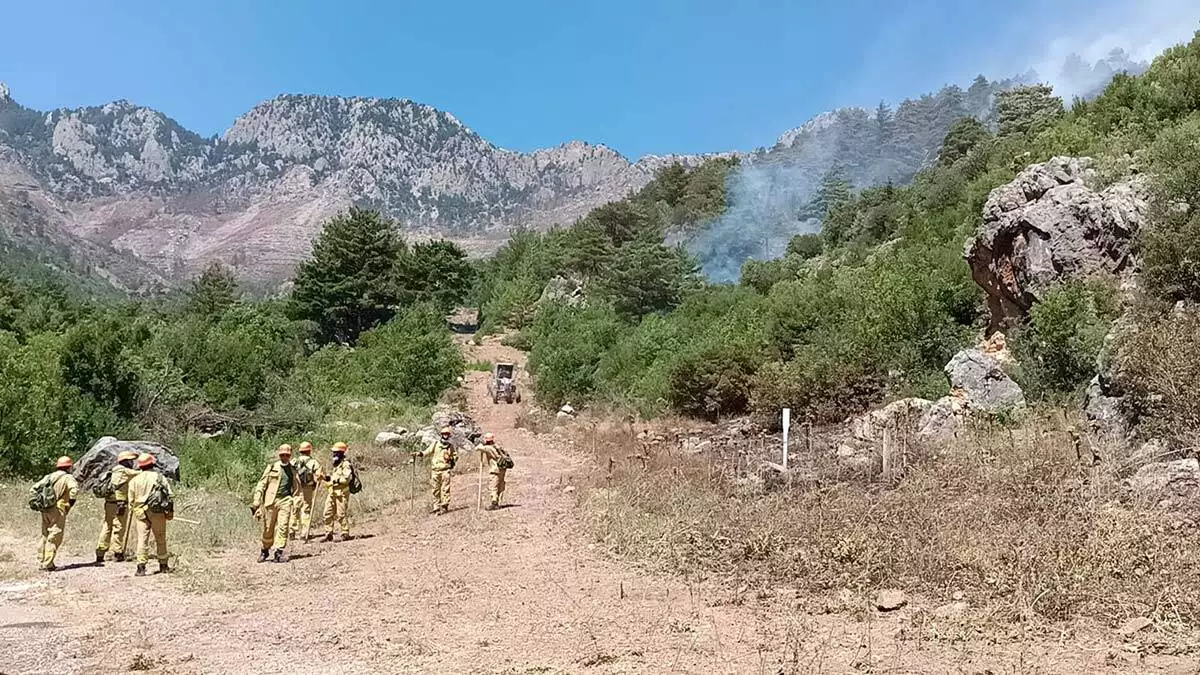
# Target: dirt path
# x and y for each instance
(512, 591)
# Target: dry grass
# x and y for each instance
(1008, 517)
(219, 501)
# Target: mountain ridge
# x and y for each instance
(133, 179)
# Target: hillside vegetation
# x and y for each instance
(872, 307)
(221, 376)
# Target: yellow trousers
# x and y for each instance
(275, 521)
(337, 511)
(302, 508)
(151, 523)
(439, 485)
(116, 527)
(496, 485)
(54, 523)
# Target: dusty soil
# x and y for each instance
(513, 591)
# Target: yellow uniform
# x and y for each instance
(116, 514)
(273, 502)
(147, 522)
(302, 501)
(495, 472)
(337, 504)
(54, 519)
(443, 457)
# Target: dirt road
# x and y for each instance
(512, 591)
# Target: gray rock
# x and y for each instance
(390, 438)
(465, 433)
(1165, 480)
(1048, 226)
(102, 456)
(942, 419)
(1135, 625)
(900, 414)
(891, 599)
(567, 290)
(983, 382)
(951, 610)
(1105, 411)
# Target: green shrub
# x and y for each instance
(411, 357)
(1057, 350)
(568, 343)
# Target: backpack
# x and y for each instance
(503, 460)
(305, 475)
(449, 454)
(356, 485)
(159, 500)
(42, 495)
(104, 489)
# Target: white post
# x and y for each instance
(787, 423)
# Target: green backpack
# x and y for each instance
(355, 482)
(159, 500)
(503, 460)
(42, 495)
(104, 489)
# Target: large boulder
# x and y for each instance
(978, 378)
(95, 463)
(1048, 226)
(465, 435)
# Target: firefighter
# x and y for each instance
(273, 503)
(337, 504)
(443, 456)
(151, 502)
(308, 470)
(497, 466)
(54, 516)
(115, 531)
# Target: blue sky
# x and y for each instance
(642, 76)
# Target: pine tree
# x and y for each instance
(436, 272)
(1027, 110)
(214, 292)
(348, 285)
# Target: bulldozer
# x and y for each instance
(504, 383)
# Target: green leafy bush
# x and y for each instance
(1057, 350)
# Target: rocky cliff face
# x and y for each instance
(131, 178)
(1050, 225)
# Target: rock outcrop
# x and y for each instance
(1179, 479)
(465, 433)
(565, 290)
(132, 178)
(1050, 225)
(979, 379)
(102, 456)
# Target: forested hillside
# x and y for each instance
(873, 306)
(215, 374)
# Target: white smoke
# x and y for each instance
(1082, 51)
(763, 214)
(1132, 31)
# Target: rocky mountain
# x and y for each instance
(131, 178)
(106, 185)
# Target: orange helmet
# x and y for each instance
(284, 450)
(306, 448)
(126, 455)
(339, 447)
(64, 462)
(145, 460)
(489, 437)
